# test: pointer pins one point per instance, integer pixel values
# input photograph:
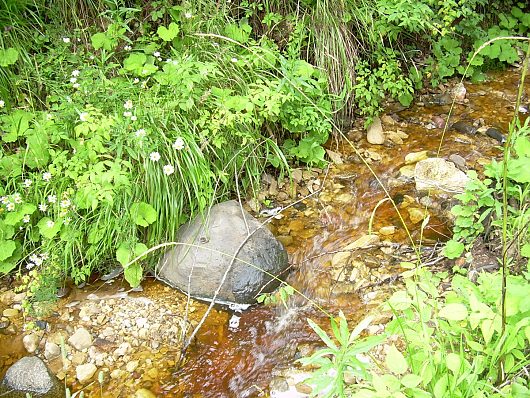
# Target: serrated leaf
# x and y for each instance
(7, 247)
(453, 249)
(454, 312)
(143, 214)
(395, 361)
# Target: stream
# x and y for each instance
(328, 210)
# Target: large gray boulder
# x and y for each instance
(200, 269)
(29, 375)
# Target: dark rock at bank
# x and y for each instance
(30, 375)
(202, 267)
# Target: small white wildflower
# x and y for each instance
(139, 133)
(233, 59)
(47, 176)
(4, 200)
(136, 80)
(156, 54)
(127, 114)
(17, 198)
(26, 218)
(44, 256)
(75, 73)
(134, 118)
(128, 104)
(30, 266)
(83, 116)
(2, 103)
(76, 85)
(154, 156)
(27, 183)
(10, 206)
(50, 224)
(145, 72)
(49, 116)
(215, 44)
(67, 220)
(188, 15)
(127, 48)
(169, 60)
(178, 144)
(73, 79)
(144, 84)
(63, 213)
(68, 99)
(168, 169)
(66, 39)
(43, 207)
(52, 198)
(65, 203)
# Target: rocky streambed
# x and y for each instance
(345, 243)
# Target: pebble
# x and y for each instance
(416, 215)
(415, 157)
(131, 366)
(4, 322)
(31, 342)
(10, 313)
(51, 350)
(388, 230)
(85, 372)
(375, 135)
(81, 339)
(144, 393)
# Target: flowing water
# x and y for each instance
(241, 361)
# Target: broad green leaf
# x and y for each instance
(8, 56)
(102, 40)
(14, 217)
(169, 33)
(133, 274)
(440, 388)
(7, 266)
(454, 312)
(453, 362)
(487, 329)
(405, 99)
(49, 228)
(411, 380)
(7, 247)
(453, 249)
(395, 361)
(527, 333)
(143, 214)
(123, 254)
(238, 33)
(38, 154)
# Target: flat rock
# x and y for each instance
(10, 313)
(415, 157)
(439, 175)
(85, 372)
(30, 376)
(375, 133)
(81, 339)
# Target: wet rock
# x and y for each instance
(387, 120)
(439, 175)
(496, 134)
(375, 134)
(10, 313)
(30, 376)
(85, 372)
(388, 230)
(81, 339)
(131, 366)
(459, 161)
(415, 157)
(438, 121)
(303, 388)
(144, 393)
(7, 298)
(204, 266)
(416, 215)
(122, 350)
(31, 342)
(407, 171)
(278, 384)
(459, 92)
(51, 350)
(464, 128)
(363, 242)
(4, 322)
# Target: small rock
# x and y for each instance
(122, 350)
(51, 350)
(81, 339)
(415, 157)
(31, 342)
(459, 92)
(388, 230)
(10, 313)
(131, 366)
(375, 134)
(439, 174)
(85, 372)
(303, 388)
(362, 242)
(459, 161)
(144, 393)
(7, 298)
(388, 120)
(78, 358)
(340, 259)
(278, 384)
(416, 215)
(153, 373)
(4, 322)
(407, 171)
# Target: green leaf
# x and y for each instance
(48, 228)
(440, 388)
(395, 361)
(133, 274)
(323, 336)
(143, 214)
(453, 362)
(411, 380)
(239, 34)
(38, 151)
(453, 249)
(123, 254)
(8, 56)
(7, 247)
(405, 99)
(169, 33)
(454, 312)
(487, 328)
(101, 40)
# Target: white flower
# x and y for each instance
(73, 79)
(67, 220)
(75, 73)
(139, 133)
(4, 200)
(154, 156)
(43, 207)
(169, 60)
(127, 48)
(44, 256)
(127, 114)
(136, 80)
(10, 206)
(233, 59)
(156, 54)
(188, 15)
(17, 198)
(50, 224)
(66, 39)
(27, 183)
(30, 266)
(47, 176)
(83, 116)
(52, 198)
(68, 99)
(2, 103)
(65, 203)
(168, 169)
(128, 104)
(178, 144)
(26, 218)
(133, 118)
(63, 213)
(76, 85)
